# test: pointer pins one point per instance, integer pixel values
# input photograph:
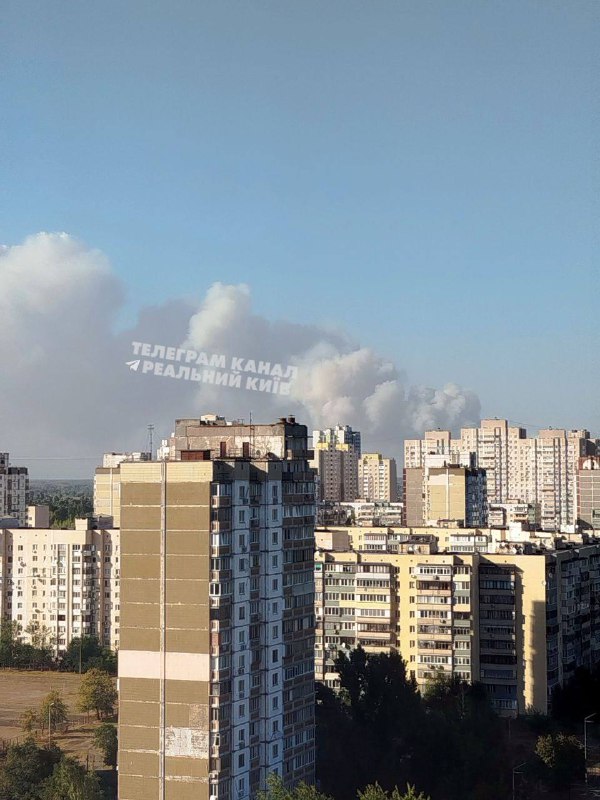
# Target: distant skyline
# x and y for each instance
(419, 180)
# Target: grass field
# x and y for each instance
(20, 690)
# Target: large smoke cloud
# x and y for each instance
(66, 393)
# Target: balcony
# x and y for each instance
(220, 526)
(221, 501)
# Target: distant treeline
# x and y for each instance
(68, 500)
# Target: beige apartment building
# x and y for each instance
(588, 494)
(540, 470)
(336, 455)
(519, 623)
(447, 489)
(64, 581)
(377, 478)
(216, 667)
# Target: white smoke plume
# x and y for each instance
(66, 394)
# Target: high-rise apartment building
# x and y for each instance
(377, 478)
(557, 455)
(65, 582)
(588, 493)
(216, 666)
(518, 623)
(14, 486)
(541, 469)
(336, 455)
(447, 489)
(456, 495)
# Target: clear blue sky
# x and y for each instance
(432, 166)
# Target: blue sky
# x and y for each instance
(425, 174)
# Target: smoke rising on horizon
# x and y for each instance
(65, 390)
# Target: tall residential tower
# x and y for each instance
(216, 665)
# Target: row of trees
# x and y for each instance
(67, 503)
(39, 651)
(31, 772)
(277, 791)
(380, 731)
(97, 693)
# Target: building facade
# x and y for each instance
(455, 495)
(107, 484)
(216, 666)
(588, 494)
(540, 470)
(518, 623)
(14, 488)
(377, 478)
(38, 516)
(64, 582)
(336, 455)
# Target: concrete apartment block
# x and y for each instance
(216, 665)
(518, 622)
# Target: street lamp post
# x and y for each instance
(516, 771)
(586, 722)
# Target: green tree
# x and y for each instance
(375, 792)
(367, 732)
(105, 739)
(97, 693)
(42, 638)
(30, 720)
(379, 692)
(70, 781)
(446, 694)
(24, 769)
(10, 644)
(277, 791)
(53, 710)
(563, 756)
(88, 653)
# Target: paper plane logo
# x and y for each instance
(133, 364)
